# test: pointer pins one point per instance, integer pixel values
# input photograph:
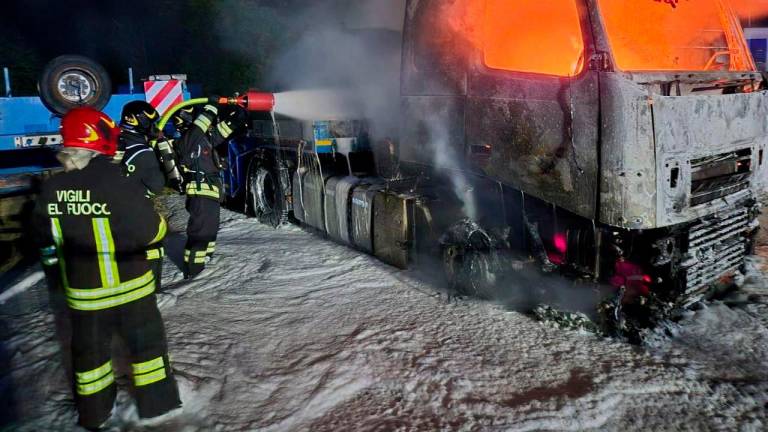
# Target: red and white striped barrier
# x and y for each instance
(163, 94)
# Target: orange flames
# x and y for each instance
(682, 35)
(751, 9)
(645, 35)
(533, 36)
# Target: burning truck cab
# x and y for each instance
(625, 144)
(612, 144)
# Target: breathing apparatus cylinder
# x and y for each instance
(168, 160)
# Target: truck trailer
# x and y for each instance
(29, 133)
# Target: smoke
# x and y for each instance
(445, 158)
(361, 67)
(339, 59)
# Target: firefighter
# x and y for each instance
(95, 227)
(183, 119)
(138, 127)
(201, 170)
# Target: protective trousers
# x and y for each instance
(140, 325)
(155, 258)
(202, 229)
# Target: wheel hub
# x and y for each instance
(75, 86)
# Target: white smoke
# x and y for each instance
(344, 64)
(445, 159)
(342, 59)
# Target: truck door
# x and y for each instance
(532, 113)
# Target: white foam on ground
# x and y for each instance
(291, 332)
(27, 282)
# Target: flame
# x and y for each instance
(522, 35)
(750, 9)
(645, 35)
(533, 36)
(679, 35)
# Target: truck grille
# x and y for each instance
(713, 177)
(716, 246)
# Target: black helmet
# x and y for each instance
(139, 117)
(234, 117)
(183, 118)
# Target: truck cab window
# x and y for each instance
(702, 35)
(533, 36)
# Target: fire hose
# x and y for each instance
(252, 101)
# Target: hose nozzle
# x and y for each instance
(252, 101)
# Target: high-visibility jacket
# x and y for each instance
(196, 150)
(95, 227)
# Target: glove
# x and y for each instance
(232, 118)
(213, 109)
(206, 117)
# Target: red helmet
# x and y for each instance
(89, 129)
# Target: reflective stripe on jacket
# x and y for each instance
(98, 228)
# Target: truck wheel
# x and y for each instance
(470, 260)
(70, 81)
(471, 272)
(265, 197)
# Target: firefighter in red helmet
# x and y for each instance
(94, 227)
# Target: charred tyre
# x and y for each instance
(470, 259)
(265, 196)
(70, 81)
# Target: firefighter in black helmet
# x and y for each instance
(94, 227)
(183, 119)
(138, 127)
(201, 170)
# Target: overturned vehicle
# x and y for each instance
(566, 135)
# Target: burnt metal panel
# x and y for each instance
(313, 185)
(708, 137)
(538, 135)
(656, 148)
(628, 158)
(361, 215)
(331, 211)
(392, 217)
(431, 50)
(343, 202)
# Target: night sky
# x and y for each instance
(152, 36)
(196, 37)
